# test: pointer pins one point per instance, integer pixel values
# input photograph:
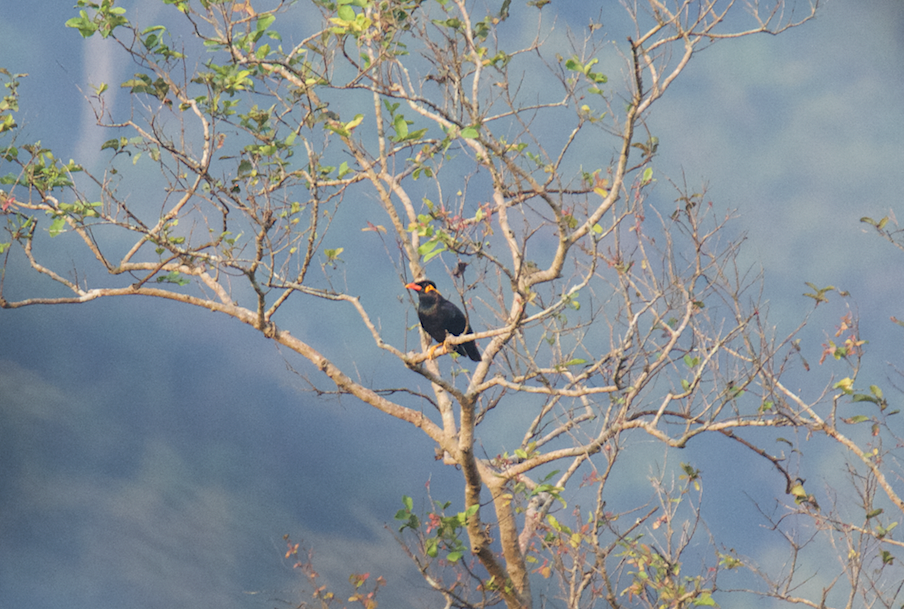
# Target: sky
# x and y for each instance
(152, 455)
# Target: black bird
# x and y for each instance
(440, 317)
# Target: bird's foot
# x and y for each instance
(447, 347)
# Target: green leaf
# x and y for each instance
(401, 127)
(435, 253)
(470, 133)
(354, 122)
(338, 130)
(427, 247)
(451, 23)
(58, 226)
(881, 531)
(555, 524)
(818, 294)
(173, 277)
(114, 144)
(262, 51)
(647, 175)
(83, 24)
(730, 562)
(416, 135)
(705, 600)
(574, 303)
(846, 385)
(454, 556)
(862, 397)
(264, 21)
(575, 362)
(431, 547)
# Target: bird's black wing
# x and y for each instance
(453, 319)
(432, 323)
(457, 324)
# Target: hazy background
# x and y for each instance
(152, 455)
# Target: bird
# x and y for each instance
(440, 318)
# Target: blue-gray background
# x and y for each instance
(152, 455)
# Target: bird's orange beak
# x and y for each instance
(413, 286)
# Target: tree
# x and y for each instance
(513, 169)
